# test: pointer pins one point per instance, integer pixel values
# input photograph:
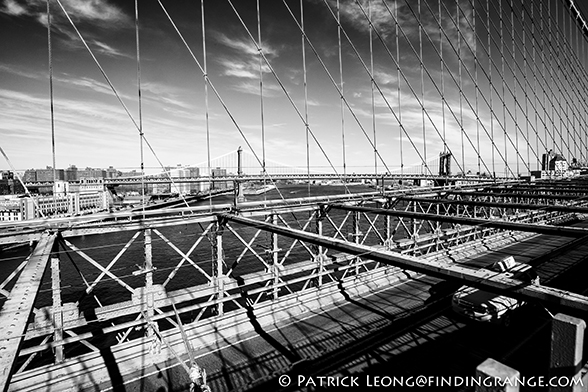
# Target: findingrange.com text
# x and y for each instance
(369, 381)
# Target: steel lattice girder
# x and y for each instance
(514, 206)
(529, 195)
(481, 279)
(564, 231)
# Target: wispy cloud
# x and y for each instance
(252, 87)
(109, 50)
(11, 7)
(244, 45)
(89, 10)
(243, 63)
(99, 14)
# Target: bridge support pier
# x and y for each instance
(567, 341)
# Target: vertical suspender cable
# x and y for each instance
(399, 93)
(572, 118)
(50, 54)
(140, 108)
(582, 119)
(553, 40)
(490, 87)
(543, 74)
(459, 62)
(442, 84)
(306, 133)
(424, 170)
(477, 87)
(263, 164)
(372, 86)
(515, 98)
(505, 128)
(535, 71)
(206, 112)
(526, 82)
(550, 85)
(342, 90)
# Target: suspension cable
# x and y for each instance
(488, 77)
(141, 134)
(339, 91)
(493, 88)
(414, 93)
(284, 88)
(372, 89)
(400, 127)
(422, 87)
(263, 162)
(304, 79)
(341, 88)
(459, 65)
(217, 94)
(51, 98)
(115, 91)
(206, 108)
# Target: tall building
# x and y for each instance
(196, 187)
(111, 172)
(218, 172)
(71, 173)
(183, 188)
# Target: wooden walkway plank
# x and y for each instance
(17, 309)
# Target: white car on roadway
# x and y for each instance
(485, 306)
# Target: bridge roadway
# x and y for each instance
(401, 330)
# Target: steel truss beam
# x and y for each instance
(564, 231)
(485, 280)
(555, 189)
(515, 195)
(543, 187)
(16, 311)
(514, 206)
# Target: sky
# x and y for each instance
(93, 129)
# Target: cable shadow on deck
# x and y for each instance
(101, 341)
(327, 362)
(287, 352)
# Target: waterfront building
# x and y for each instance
(46, 175)
(218, 172)
(71, 173)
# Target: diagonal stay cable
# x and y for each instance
(216, 93)
(460, 60)
(334, 83)
(225, 107)
(508, 87)
(471, 77)
(115, 92)
(544, 92)
(425, 111)
(440, 91)
(486, 52)
(300, 115)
